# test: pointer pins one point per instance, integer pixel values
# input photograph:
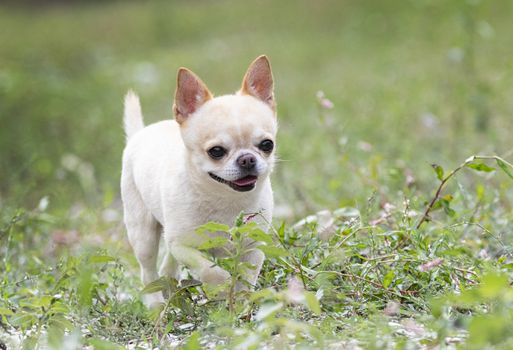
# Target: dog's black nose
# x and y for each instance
(247, 161)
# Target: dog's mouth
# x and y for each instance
(244, 184)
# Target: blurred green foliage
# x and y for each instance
(411, 81)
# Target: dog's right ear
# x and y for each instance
(191, 93)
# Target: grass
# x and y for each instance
(413, 84)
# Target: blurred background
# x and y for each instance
(370, 93)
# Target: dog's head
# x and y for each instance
(229, 140)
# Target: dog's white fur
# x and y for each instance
(165, 183)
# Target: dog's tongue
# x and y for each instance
(246, 181)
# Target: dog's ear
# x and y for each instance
(190, 94)
(258, 81)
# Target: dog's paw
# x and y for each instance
(153, 300)
(214, 276)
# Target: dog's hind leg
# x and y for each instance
(143, 235)
(144, 238)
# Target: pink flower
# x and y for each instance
(323, 101)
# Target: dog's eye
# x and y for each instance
(216, 152)
(266, 146)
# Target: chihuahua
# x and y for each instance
(209, 164)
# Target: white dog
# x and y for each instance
(209, 164)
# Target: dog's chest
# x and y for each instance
(200, 212)
(183, 217)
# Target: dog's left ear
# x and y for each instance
(258, 81)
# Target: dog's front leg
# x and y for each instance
(200, 267)
(169, 267)
(255, 257)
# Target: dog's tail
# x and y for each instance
(133, 118)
